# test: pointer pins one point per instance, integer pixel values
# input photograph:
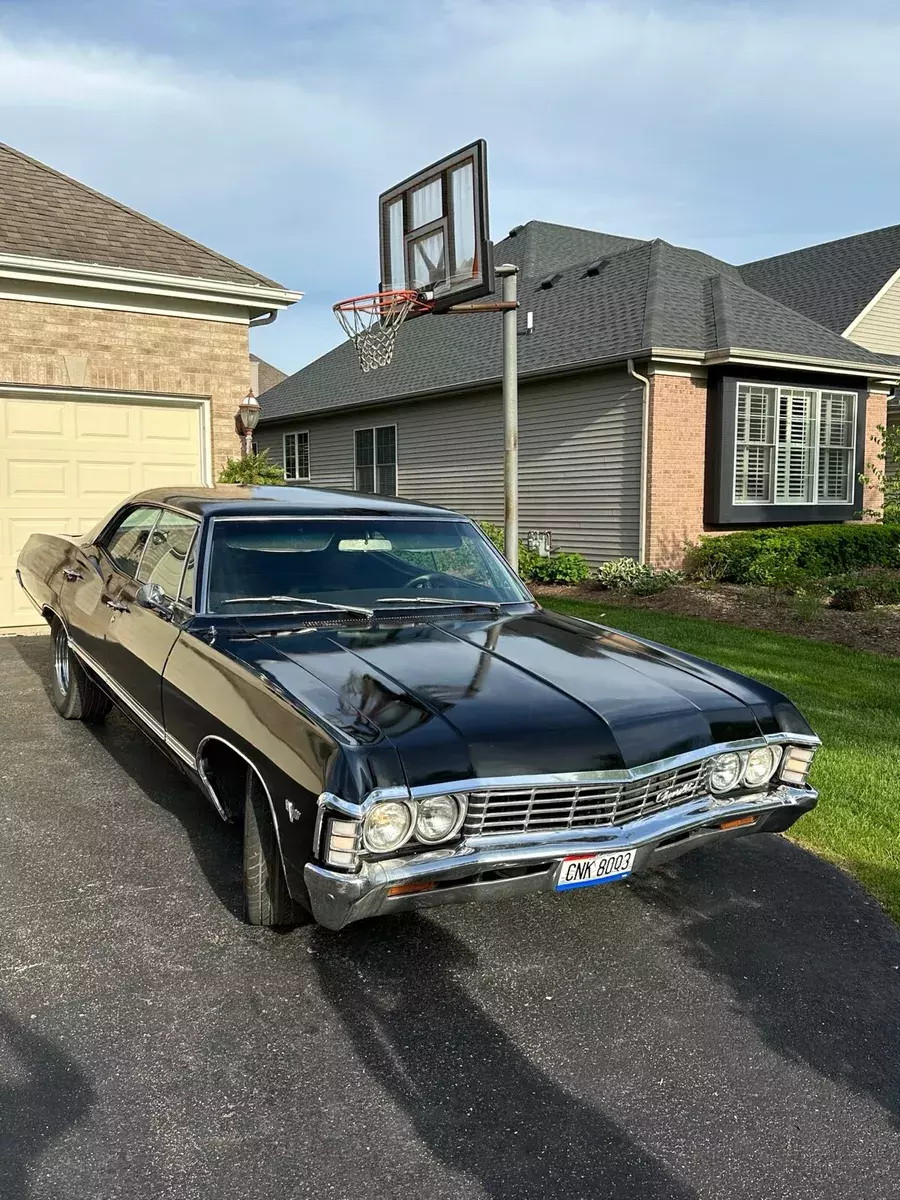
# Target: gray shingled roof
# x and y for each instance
(648, 295)
(833, 282)
(44, 214)
(268, 374)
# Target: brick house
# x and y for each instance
(663, 393)
(123, 356)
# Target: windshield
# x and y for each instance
(374, 563)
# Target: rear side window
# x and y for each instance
(125, 545)
(166, 552)
(186, 596)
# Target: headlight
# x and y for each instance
(761, 766)
(387, 826)
(439, 817)
(725, 773)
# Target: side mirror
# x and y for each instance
(151, 595)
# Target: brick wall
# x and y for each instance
(676, 466)
(61, 345)
(876, 414)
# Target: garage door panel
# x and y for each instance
(65, 465)
(159, 425)
(27, 420)
(32, 478)
(105, 421)
(104, 480)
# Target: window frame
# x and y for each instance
(113, 526)
(719, 507)
(295, 433)
(812, 447)
(373, 429)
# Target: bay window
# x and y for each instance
(794, 446)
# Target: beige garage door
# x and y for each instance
(64, 464)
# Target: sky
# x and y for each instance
(266, 130)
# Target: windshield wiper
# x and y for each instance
(321, 604)
(443, 601)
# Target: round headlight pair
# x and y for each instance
(393, 822)
(751, 769)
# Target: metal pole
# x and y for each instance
(508, 273)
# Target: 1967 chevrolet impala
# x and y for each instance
(370, 689)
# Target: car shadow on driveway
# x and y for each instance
(479, 1105)
(43, 1093)
(809, 957)
(216, 845)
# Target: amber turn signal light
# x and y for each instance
(737, 822)
(406, 889)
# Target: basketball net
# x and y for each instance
(372, 322)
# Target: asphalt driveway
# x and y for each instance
(728, 1027)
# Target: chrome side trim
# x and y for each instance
(562, 778)
(214, 737)
(127, 699)
(183, 753)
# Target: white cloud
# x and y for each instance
(736, 128)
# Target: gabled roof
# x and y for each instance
(45, 214)
(540, 246)
(833, 282)
(647, 296)
(267, 374)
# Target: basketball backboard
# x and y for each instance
(434, 234)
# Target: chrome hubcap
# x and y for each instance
(61, 660)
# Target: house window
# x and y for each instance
(794, 445)
(376, 460)
(296, 455)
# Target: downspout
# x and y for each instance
(645, 449)
(266, 320)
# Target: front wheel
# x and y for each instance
(74, 695)
(266, 897)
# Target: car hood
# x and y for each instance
(529, 694)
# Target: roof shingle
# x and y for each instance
(45, 214)
(641, 296)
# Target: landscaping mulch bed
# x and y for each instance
(755, 608)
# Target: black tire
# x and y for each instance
(75, 696)
(266, 897)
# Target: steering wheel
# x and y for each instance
(421, 580)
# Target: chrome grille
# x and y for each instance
(548, 809)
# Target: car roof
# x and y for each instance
(240, 500)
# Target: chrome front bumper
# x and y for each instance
(489, 868)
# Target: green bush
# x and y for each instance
(784, 556)
(558, 568)
(640, 578)
(891, 514)
(253, 468)
(858, 593)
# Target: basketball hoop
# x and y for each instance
(371, 323)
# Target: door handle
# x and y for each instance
(72, 575)
(117, 605)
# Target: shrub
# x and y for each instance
(253, 468)
(640, 578)
(558, 568)
(891, 514)
(774, 557)
(858, 593)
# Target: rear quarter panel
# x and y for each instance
(40, 566)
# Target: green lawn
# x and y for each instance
(852, 701)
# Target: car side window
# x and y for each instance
(126, 543)
(166, 553)
(186, 595)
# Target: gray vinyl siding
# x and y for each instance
(879, 329)
(579, 456)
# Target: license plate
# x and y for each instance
(584, 870)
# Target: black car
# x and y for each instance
(369, 688)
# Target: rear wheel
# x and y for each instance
(266, 897)
(74, 695)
